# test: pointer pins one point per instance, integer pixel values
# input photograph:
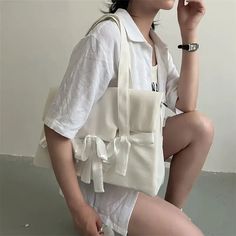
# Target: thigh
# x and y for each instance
(178, 132)
(154, 216)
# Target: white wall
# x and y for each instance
(37, 40)
(38, 37)
(217, 97)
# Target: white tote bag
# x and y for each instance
(121, 141)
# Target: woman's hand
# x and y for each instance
(86, 220)
(190, 15)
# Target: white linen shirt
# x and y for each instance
(93, 66)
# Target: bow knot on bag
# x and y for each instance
(93, 152)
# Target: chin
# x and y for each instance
(167, 4)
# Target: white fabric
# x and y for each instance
(156, 86)
(135, 124)
(92, 68)
(84, 151)
(114, 206)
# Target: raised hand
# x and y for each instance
(190, 15)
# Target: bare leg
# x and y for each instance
(188, 137)
(153, 216)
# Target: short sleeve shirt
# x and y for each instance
(93, 67)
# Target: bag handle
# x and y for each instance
(124, 79)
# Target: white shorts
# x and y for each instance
(114, 206)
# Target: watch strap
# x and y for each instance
(191, 47)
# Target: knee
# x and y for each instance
(202, 126)
(194, 232)
(188, 228)
(185, 227)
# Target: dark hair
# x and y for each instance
(115, 4)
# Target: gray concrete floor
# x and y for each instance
(29, 195)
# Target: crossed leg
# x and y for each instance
(188, 138)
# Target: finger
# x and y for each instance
(100, 230)
(198, 6)
(99, 223)
(95, 230)
(198, 2)
(181, 3)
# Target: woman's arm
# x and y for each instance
(189, 76)
(189, 17)
(60, 150)
(85, 218)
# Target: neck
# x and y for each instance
(143, 19)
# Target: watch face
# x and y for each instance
(193, 46)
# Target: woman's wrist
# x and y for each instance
(189, 36)
(75, 205)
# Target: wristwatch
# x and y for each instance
(191, 47)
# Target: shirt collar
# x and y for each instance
(156, 39)
(131, 28)
(133, 32)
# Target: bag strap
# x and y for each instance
(124, 79)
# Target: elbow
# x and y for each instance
(189, 110)
(52, 134)
(47, 131)
(186, 107)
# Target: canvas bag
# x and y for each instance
(121, 141)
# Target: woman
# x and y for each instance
(187, 136)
